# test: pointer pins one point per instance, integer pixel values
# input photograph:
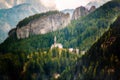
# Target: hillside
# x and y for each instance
(80, 33)
(84, 32)
(102, 60)
(39, 65)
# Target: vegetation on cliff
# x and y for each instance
(25, 21)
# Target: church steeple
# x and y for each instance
(56, 45)
(55, 40)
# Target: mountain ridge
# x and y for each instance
(82, 12)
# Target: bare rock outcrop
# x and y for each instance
(43, 25)
(81, 12)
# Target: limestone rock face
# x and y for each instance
(43, 25)
(79, 12)
(13, 11)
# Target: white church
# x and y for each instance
(56, 45)
(60, 46)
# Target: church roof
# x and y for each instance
(57, 45)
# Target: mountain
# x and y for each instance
(102, 60)
(41, 24)
(10, 17)
(79, 34)
(81, 12)
(32, 59)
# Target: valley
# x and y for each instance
(72, 44)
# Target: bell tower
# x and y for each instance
(55, 40)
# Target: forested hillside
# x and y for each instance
(102, 60)
(39, 65)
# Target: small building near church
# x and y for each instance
(74, 50)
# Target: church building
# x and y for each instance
(56, 45)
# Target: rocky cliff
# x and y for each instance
(10, 17)
(81, 12)
(44, 24)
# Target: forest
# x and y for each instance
(40, 65)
